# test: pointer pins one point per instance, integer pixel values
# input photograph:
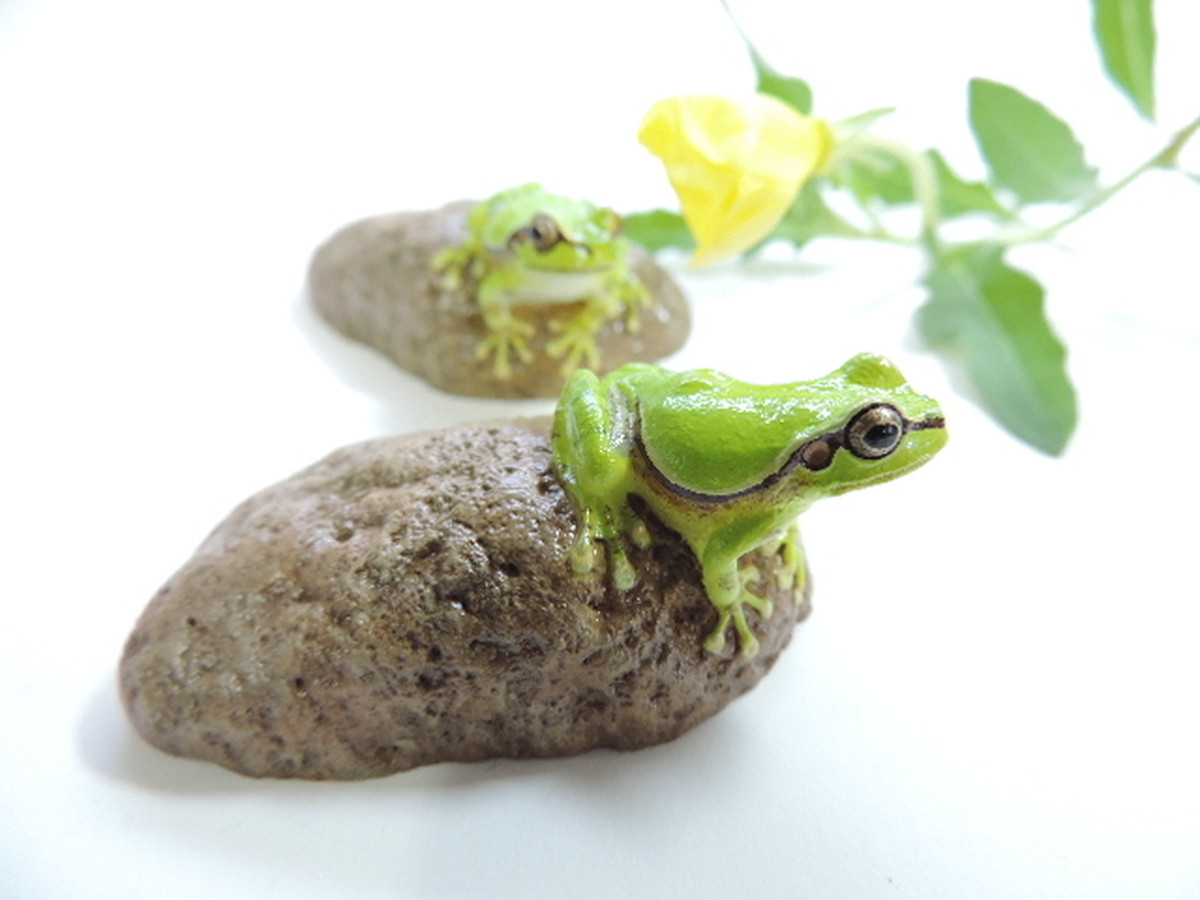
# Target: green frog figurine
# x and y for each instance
(528, 247)
(729, 465)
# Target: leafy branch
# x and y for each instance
(979, 311)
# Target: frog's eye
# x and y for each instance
(875, 432)
(542, 232)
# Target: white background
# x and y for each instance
(996, 696)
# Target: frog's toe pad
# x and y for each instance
(623, 575)
(715, 642)
(747, 642)
(583, 556)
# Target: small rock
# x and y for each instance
(407, 601)
(374, 282)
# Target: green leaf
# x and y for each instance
(992, 318)
(879, 176)
(958, 197)
(1126, 36)
(658, 229)
(1169, 157)
(875, 175)
(1028, 149)
(793, 91)
(852, 125)
(811, 217)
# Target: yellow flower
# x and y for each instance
(736, 165)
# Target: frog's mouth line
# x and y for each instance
(804, 456)
(598, 266)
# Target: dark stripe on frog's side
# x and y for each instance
(932, 422)
(832, 441)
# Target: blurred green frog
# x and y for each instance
(527, 247)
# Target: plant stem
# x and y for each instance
(920, 169)
(1165, 158)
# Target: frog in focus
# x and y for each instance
(528, 247)
(730, 465)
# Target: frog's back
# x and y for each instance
(709, 433)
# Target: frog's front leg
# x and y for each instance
(726, 583)
(727, 579)
(576, 342)
(506, 334)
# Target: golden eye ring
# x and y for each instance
(543, 233)
(875, 432)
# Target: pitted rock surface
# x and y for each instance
(374, 282)
(407, 601)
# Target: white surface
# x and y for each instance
(996, 694)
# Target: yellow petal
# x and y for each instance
(736, 165)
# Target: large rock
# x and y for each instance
(407, 601)
(374, 282)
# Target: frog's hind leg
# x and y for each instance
(790, 576)
(598, 526)
(592, 473)
(450, 265)
(632, 293)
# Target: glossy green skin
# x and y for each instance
(588, 261)
(728, 465)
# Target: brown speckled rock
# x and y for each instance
(406, 601)
(373, 282)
